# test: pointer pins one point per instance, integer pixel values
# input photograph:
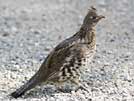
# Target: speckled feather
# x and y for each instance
(68, 60)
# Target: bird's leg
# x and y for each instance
(80, 86)
(60, 87)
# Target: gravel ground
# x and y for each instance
(29, 29)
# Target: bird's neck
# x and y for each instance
(87, 35)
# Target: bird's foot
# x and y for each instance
(82, 88)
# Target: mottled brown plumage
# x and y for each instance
(67, 61)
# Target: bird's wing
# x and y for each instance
(57, 57)
(60, 57)
(56, 61)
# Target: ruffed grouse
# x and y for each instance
(68, 59)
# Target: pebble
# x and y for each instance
(30, 29)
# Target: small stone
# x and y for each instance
(5, 34)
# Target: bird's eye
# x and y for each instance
(92, 17)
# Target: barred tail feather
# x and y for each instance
(29, 85)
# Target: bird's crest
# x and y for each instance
(92, 9)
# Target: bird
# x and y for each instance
(68, 60)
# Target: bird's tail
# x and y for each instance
(29, 85)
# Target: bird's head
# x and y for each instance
(92, 18)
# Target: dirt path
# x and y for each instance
(29, 29)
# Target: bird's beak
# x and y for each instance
(100, 17)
